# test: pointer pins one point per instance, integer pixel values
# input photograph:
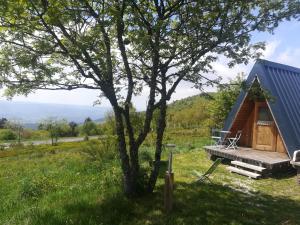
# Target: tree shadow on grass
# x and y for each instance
(216, 204)
(291, 172)
(193, 204)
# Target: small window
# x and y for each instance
(264, 114)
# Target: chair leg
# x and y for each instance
(209, 180)
(230, 145)
(235, 146)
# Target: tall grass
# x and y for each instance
(81, 183)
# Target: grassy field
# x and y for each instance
(78, 183)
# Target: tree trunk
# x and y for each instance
(133, 150)
(160, 129)
(129, 171)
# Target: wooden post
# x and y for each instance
(169, 186)
(168, 198)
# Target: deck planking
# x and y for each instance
(270, 160)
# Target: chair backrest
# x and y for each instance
(215, 132)
(296, 156)
(213, 166)
(238, 135)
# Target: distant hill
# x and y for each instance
(32, 113)
(190, 112)
(191, 101)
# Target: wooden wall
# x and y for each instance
(279, 144)
(245, 121)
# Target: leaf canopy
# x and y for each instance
(120, 46)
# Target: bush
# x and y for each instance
(7, 135)
(142, 180)
(39, 134)
(56, 128)
(26, 134)
(89, 128)
(34, 188)
(108, 126)
(102, 150)
(145, 156)
(2, 147)
(16, 146)
(31, 189)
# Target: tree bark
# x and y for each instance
(129, 181)
(161, 125)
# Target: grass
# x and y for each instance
(72, 184)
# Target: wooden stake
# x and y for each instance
(168, 195)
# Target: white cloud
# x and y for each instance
(271, 47)
(74, 97)
(184, 91)
(221, 68)
(290, 57)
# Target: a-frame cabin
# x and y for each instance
(270, 123)
(259, 128)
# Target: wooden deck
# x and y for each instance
(271, 160)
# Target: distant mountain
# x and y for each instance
(32, 113)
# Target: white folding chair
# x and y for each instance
(233, 141)
(216, 137)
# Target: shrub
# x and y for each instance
(26, 134)
(7, 135)
(34, 188)
(30, 189)
(56, 128)
(102, 150)
(39, 134)
(89, 128)
(108, 126)
(143, 180)
(145, 156)
(16, 146)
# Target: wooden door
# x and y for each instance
(264, 129)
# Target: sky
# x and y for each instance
(282, 47)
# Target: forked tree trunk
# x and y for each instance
(130, 165)
(160, 129)
(128, 181)
(129, 157)
(129, 154)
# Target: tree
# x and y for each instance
(108, 126)
(3, 121)
(17, 127)
(121, 47)
(7, 135)
(88, 127)
(73, 125)
(54, 127)
(224, 100)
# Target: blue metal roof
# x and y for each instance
(283, 84)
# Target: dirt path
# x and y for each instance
(60, 140)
